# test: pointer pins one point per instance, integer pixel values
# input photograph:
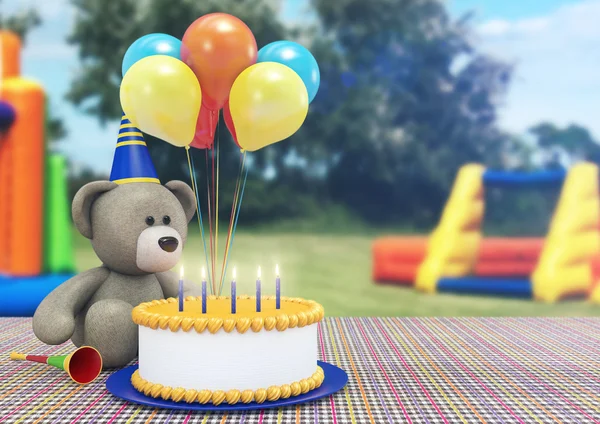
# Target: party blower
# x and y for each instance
(83, 365)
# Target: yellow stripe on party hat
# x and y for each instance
(132, 162)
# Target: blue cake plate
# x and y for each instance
(119, 384)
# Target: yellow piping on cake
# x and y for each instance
(143, 315)
(247, 396)
(242, 325)
(231, 397)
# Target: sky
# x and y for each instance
(554, 44)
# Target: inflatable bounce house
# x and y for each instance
(36, 254)
(456, 257)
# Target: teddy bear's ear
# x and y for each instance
(185, 195)
(82, 204)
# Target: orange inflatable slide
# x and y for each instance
(397, 259)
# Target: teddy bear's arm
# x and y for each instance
(54, 319)
(169, 282)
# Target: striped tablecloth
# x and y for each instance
(517, 370)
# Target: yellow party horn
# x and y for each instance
(83, 365)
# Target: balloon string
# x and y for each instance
(215, 213)
(209, 218)
(217, 198)
(231, 217)
(198, 208)
(237, 215)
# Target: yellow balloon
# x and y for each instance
(268, 103)
(162, 96)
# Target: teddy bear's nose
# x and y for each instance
(168, 244)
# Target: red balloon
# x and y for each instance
(218, 47)
(205, 128)
(229, 122)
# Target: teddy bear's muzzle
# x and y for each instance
(168, 244)
(158, 249)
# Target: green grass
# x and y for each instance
(336, 271)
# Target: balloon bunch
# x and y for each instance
(175, 89)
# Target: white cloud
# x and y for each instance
(532, 25)
(494, 27)
(557, 59)
(501, 27)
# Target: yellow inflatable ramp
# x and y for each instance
(454, 245)
(573, 240)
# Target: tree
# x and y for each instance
(398, 132)
(574, 141)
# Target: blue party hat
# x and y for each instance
(132, 162)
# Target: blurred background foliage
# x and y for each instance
(405, 100)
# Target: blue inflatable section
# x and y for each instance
(20, 296)
(523, 179)
(508, 287)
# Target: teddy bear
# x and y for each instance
(137, 228)
(137, 231)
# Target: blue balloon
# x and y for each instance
(296, 57)
(151, 45)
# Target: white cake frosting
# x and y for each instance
(226, 361)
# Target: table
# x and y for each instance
(419, 370)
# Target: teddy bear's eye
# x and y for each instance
(150, 220)
(166, 219)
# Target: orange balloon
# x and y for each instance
(218, 47)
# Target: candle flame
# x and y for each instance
(277, 270)
(258, 271)
(234, 273)
(181, 273)
(203, 273)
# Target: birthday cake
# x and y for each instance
(219, 357)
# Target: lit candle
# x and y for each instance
(233, 294)
(258, 292)
(203, 290)
(181, 290)
(277, 288)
